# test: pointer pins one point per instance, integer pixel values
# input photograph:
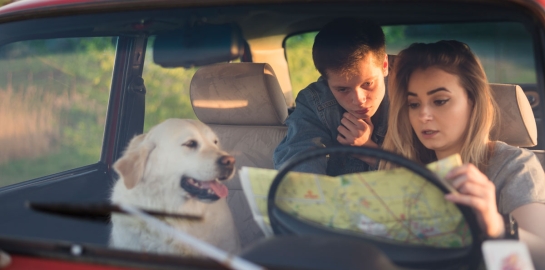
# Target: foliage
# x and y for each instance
(167, 92)
(299, 56)
(55, 95)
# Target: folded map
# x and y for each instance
(392, 204)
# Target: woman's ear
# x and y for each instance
(132, 164)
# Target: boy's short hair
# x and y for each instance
(341, 43)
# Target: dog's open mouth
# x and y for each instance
(204, 190)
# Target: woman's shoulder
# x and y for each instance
(518, 176)
(503, 150)
(507, 156)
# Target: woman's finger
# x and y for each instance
(477, 203)
(475, 189)
(456, 172)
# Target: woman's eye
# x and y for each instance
(441, 102)
(413, 105)
(367, 84)
(191, 144)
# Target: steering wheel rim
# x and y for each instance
(279, 218)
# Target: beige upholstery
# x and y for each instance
(249, 91)
(517, 125)
(244, 105)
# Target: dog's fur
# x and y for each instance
(152, 171)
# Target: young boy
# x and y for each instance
(346, 106)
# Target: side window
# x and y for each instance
(167, 91)
(299, 54)
(53, 102)
(504, 48)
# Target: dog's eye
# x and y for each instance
(191, 144)
(215, 141)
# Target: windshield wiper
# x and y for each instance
(98, 211)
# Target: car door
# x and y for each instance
(72, 96)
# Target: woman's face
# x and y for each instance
(439, 110)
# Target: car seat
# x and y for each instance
(244, 105)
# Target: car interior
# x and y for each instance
(231, 67)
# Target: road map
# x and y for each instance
(392, 204)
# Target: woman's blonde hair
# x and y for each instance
(455, 58)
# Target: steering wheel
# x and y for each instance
(402, 254)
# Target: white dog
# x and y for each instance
(176, 167)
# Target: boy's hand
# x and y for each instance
(355, 132)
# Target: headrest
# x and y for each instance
(516, 125)
(238, 94)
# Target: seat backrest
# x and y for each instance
(244, 105)
(517, 124)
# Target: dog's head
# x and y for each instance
(178, 156)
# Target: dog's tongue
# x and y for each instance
(219, 188)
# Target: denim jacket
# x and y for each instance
(313, 124)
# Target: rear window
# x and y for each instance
(169, 90)
(504, 48)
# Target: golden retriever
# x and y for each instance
(176, 167)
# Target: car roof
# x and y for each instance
(45, 8)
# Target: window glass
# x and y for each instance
(53, 102)
(504, 48)
(167, 91)
(300, 65)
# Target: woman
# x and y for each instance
(440, 104)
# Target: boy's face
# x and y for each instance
(361, 92)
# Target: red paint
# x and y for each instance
(541, 2)
(24, 262)
(41, 4)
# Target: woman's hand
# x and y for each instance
(479, 193)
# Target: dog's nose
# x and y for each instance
(226, 160)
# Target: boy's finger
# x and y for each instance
(343, 130)
(342, 140)
(348, 124)
(367, 121)
(355, 120)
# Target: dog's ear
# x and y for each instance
(132, 164)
